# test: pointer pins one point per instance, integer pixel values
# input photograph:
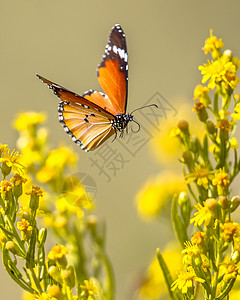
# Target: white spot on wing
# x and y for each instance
(121, 52)
(115, 49)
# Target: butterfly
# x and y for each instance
(94, 117)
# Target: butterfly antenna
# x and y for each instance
(138, 126)
(155, 105)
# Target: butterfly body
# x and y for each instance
(94, 117)
(121, 121)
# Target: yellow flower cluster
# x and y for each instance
(211, 260)
(155, 194)
(213, 45)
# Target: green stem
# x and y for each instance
(215, 105)
(36, 281)
(80, 266)
(218, 259)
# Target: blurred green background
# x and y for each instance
(64, 41)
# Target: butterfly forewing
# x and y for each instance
(113, 70)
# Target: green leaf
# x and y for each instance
(7, 232)
(30, 262)
(167, 276)
(13, 272)
(205, 149)
(226, 291)
(178, 224)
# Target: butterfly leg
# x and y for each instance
(115, 136)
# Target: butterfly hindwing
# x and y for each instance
(88, 124)
(113, 70)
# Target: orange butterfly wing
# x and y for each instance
(88, 124)
(113, 71)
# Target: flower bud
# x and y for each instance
(223, 202)
(6, 170)
(200, 109)
(26, 215)
(54, 291)
(236, 256)
(195, 145)
(183, 126)
(211, 204)
(188, 159)
(234, 203)
(12, 247)
(211, 127)
(54, 272)
(68, 276)
(184, 204)
(228, 55)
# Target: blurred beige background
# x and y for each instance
(64, 41)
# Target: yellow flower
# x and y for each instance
(235, 294)
(11, 160)
(221, 178)
(200, 91)
(36, 190)
(236, 115)
(24, 225)
(29, 156)
(89, 289)
(5, 186)
(57, 160)
(18, 179)
(57, 252)
(165, 146)
(219, 72)
(205, 213)
(154, 195)
(28, 119)
(46, 174)
(25, 210)
(230, 270)
(230, 230)
(198, 238)
(201, 175)
(189, 252)
(213, 45)
(185, 280)
(44, 296)
(154, 284)
(224, 125)
(66, 207)
(234, 143)
(190, 249)
(61, 157)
